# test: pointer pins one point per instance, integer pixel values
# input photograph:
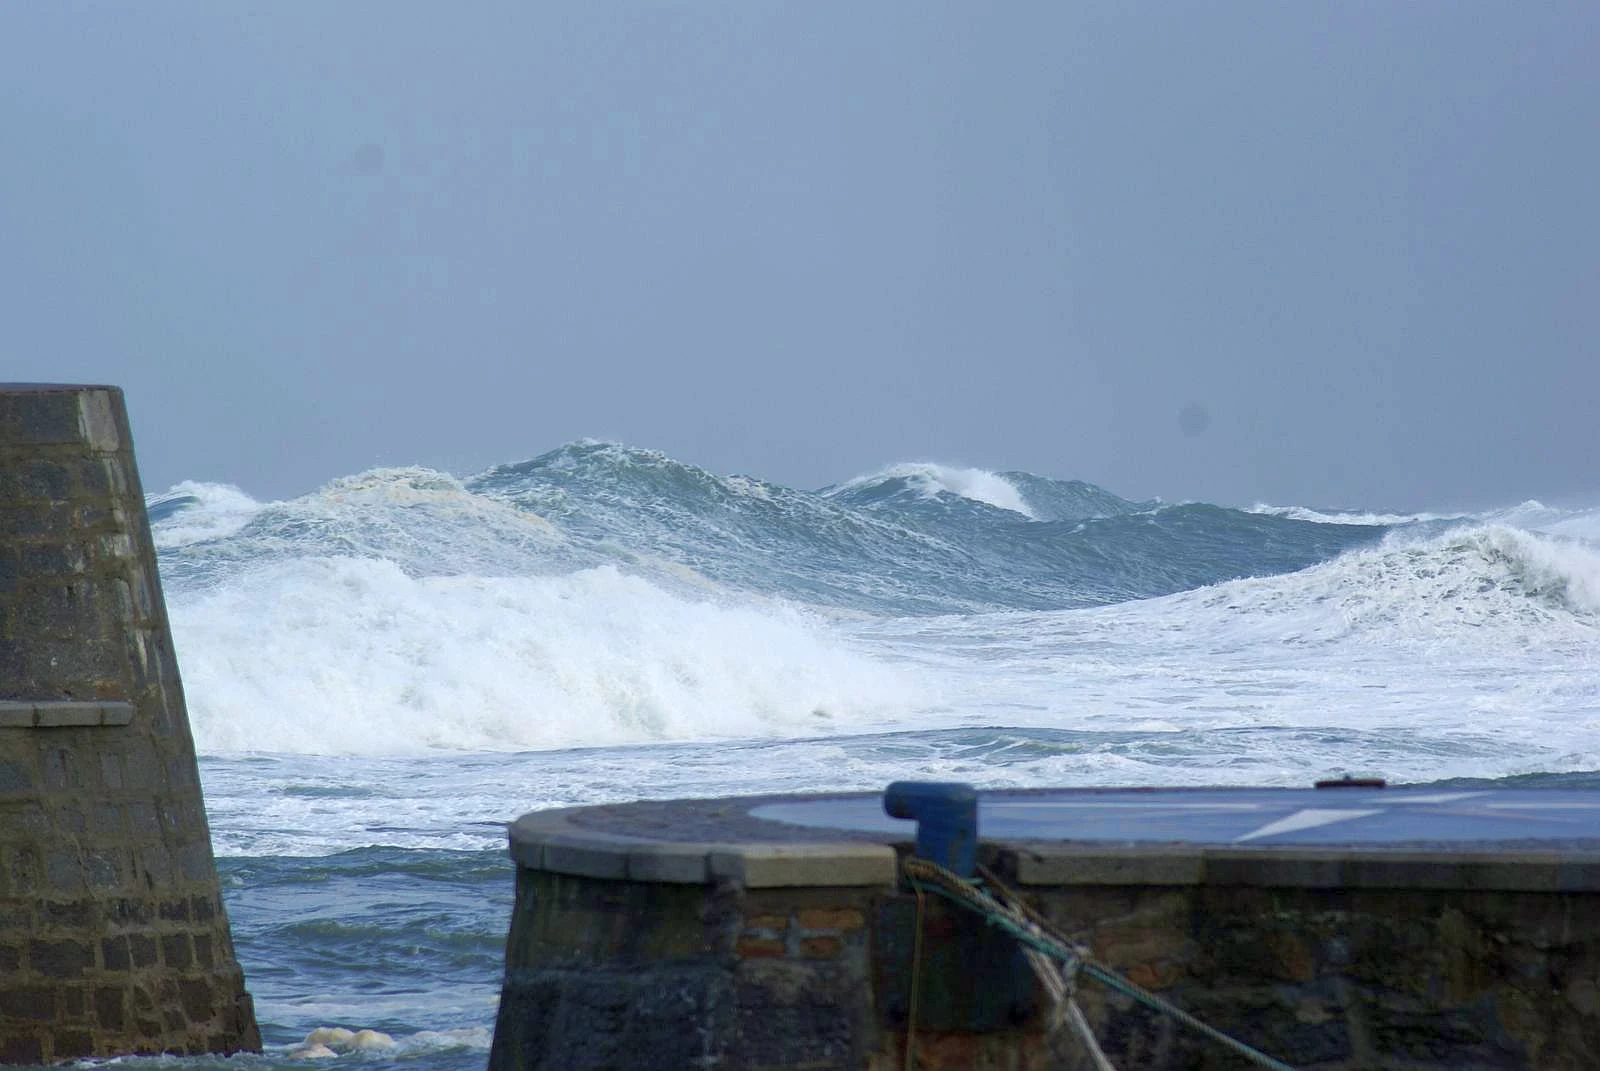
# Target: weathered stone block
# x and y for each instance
(114, 954)
(26, 870)
(142, 821)
(64, 873)
(831, 918)
(107, 819)
(194, 860)
(98, 478)
(94, 518)
(33, 520)
(199, 1000)
(788, 1014)
(73, 1001)
(39, 420)
(74, 914)
(26, 820)
(16, 777)
(182, 773)
(60, 769)
(759, 866)
(156, 865)
(41, 560)
(142, 771)
(71, 1042)
(35, 1002)
(18, 1049)
(176, 951)
(126, 912)
(103, 419)
(69, 818)
(760, 947)
(15, 682)
(104, 869)
(60, 959)
(111, 772)
(39, 479)
(820, 947)
(110, 1007)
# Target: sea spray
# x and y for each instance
(385, 671)
(352, 656)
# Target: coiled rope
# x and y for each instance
(1005, 909)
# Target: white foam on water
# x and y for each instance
(423, 520)
(1429, 587)
(930, 479)
(204, 511)
(332, 1042)
(1356, 517)
(1474, 652)
(353, 656)
(388, 662)
(1582, 524)
(1468, 654)
(401, 622)
(1530, 516)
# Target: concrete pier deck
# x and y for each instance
(1351, 837)
(1335, 928)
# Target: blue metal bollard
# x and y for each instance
(946, 813)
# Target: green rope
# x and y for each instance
(924, 874)
(1110, 978)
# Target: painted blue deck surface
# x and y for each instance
(1245, 817)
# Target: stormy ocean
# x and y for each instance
(382, 673)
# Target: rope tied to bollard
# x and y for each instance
(1004, 909)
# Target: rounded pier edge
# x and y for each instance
(706, 841)
(695, 933)
(552, 841)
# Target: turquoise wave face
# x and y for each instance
(600, 623)
(598, 596)
(916, 539)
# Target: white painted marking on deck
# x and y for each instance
(1544, 806)
(1162, 805)
(1439, 797)
(1307, 819)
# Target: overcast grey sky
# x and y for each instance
(1326, 253)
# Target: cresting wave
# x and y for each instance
(599, 595)
(353, 656)
(1318, 516)
(929, 481)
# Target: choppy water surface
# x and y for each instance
(384, 672)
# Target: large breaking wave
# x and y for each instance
(599, 594)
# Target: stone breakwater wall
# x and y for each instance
(113, 936)
(1428, 964)
(634, 946)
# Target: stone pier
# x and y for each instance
(1356, 927)
(113, 937)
